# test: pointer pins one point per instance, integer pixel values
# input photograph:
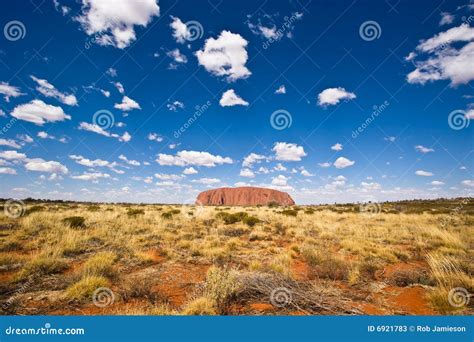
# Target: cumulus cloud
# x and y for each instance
(446, 18)
(336, 147)
(342, 163)
(247, 173)
(190, 171)
(12, 155)
(423, 149)
(449, 56)
(225, 56)
(7, 171)
(167, 177)
(187, 158)
(178, 58)
(155, 137)
(332, 96)
(468, 182)
(437, 183)
(41, 165)
(252, 158)
(48, 90)
(39, 112)
(288, 151)
(10, 143)
(128, 161)
(175, 105)
(127, 104)
(180, 31)
(114, 24)
(126, 137)
(423, 173)
(91, 176)
(230, 98)
(280, 180)
(207, 181)
(281, 90)
(9, 91)
(324, 165)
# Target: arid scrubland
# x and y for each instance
(396, 258)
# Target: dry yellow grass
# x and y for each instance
(117, 241)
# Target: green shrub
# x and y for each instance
(250, 221)
(289, 212)
(135, 212)
(167, 215)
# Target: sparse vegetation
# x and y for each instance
(160, 260)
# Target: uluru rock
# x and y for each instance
(243, 196)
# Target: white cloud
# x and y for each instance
(2, 113)
(230, 98)
(155, 137)
(423, 173)
(207, 181)
(281, 90)
(111, 72)
(127, 104)
(41, 165)
(48, 90)
(437, 183)
(263, 170)
(10, 143)
(370, 186)
(343, 162)
(99, 130)
(306, 173)
(288, 152)
(251, 159)
(332, 96)
(190, 171)
(115, 24)
(128, 161)
(175, 105)
(91, 176)
(324, 165)
(446, 18)
(163, 176)
(185, 158)
(280, 167)
(44, 135)
(336, 147)
(39, 112)
(25, 138)
(12, 155)
(247, 173)
(106, 93)
(177, 56)
(445, 61)
(180, 31)
(9, 91)
(470, 114)
(423, 149)
(280, 180)
(7, 171)
(468, 182)
(225, 56)
(91, 163)
(119, 87)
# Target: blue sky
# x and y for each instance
(146, 101)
